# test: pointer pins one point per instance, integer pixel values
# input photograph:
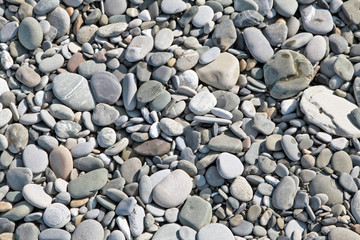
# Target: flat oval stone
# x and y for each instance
(88, 229)
(316, 20)
(73, 90)
(87, 184)
(35, 158)
(205, 14)
(139, 47)
(167, 231)
(19, 211)
(257, 44)
(243, 229)
(202, 103)
(27, 230)
(173, 6)
(115, 7)
(241, 189)
(66, 129)
(45, 6)
(215, 231)
(163, 39)
(344, 68)
(5, 116)
(90, 67)
(224, 35)
(17, 136)
(148, 91)
(210, 55)
(27, 76)
(88, 163)
(341, 162)
(222, 73)
(316, 49)
(290, 147)
(284, 194)
(173, 189)
(111, 30)
(105, 87)
(36, 196)
(59, 19)
(225, 143)
(54, 233)
(57, 215)
(229, 166)
(30, 33)
(196, 213)
(171, 127)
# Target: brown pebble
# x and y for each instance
(171, 62)
(280, 223)
(104, 20)
(78, 202)
(281, 20)
(75, 61)
(5, 206)
(70, 11)
(246, 143)
(250, 64)
(242, 65)
(61, 162)
(236, 220)
(77, 24)
(78, 219)
(7, 236)
(127, 40)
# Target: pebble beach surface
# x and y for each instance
(179, 119)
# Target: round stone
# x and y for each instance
(106, 137)
(241, 189)
(341, 162)
(171, 127)
(173, 6)
(229, 166)
(164, 39)
(35, 158)
(173, 189)
(148, 91)
(189, 78)
(167, 231)
(57, 215)
(202, 103)
(59, 19)
(339, 233)
(54, 233)
(17, 136)
(326, 185)
(27, 231)
(88, 229)
(290, 147)
(18, 177)
(204, 15)
(104, 114)
(115, 7)
(196, 213)
(36, 196)
(257, 44)
(30, 33)
(284, 194)
(139, 47)
(27, 76)
(105, 87)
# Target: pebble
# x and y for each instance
(196, 213)
(35, 158)
(173, 6)
(163, 39)
(229, 166)
(215, 231)
(202, 103)
(105, 87)
(241, 189)
(290, 147)
(27, 76)
(284, 194)
(30, 33)
(57, 215)
(51, 233)
(139, 47)
(88, 229)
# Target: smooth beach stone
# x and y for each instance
(215, 231)
(339, 233)
(204, 14)
(86, 33)
(19, 211)
(27, 230)
(105, 87)
(111, 30)
(59, 19)
(286, 8)
(222, 73)
(61, 162)
(9, 31)
(276, 33)
(189, 78)
(173, 6)
(67, 129)
(36, 196)
(167, 231)
(35, 158)
(139, 47)
(229, 166)
(104, 114)
(74, 91)
(338, 44)
(290, 147)
(45, 6)
(173, 189)
(154, 147)
(316, 49)
(87, 184)
(163, 39)
(285, 84)
(5, 116)
(325, 184)
(225, 143)
(273, 142)
(171, 127)
(202, 103)
(355, 206)
(243, 229)
(115, 7)
(331, 119)
(316, 20)
(88, 163)
(148, 91)
(257, 44)
(196, 213)
(297, 41)
(344, 68)
(27, 76)
(30, 33)
(241, 189)
(129, 91)
(82, 149)
(17, 136)
(88, 229)
(61, 112)
(341, 162)
(210, 55)
(158, 59)
(57, 215)
(90, 67)
(106, 137)
(242, 5)
(284, 194)
(18, 177)
(54, 233)
(224, 35)
(248, 18)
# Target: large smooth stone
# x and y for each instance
(287, 73)
(321, 107)
(154, 147)
(139, 47)
(222, 73)
(284, 194)
(340, 233)
(73, 90)
(30, 33)
(87, 184)
(173, 189)
(325, 184)
(257, 44)
(196, 213)
(88, 229)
